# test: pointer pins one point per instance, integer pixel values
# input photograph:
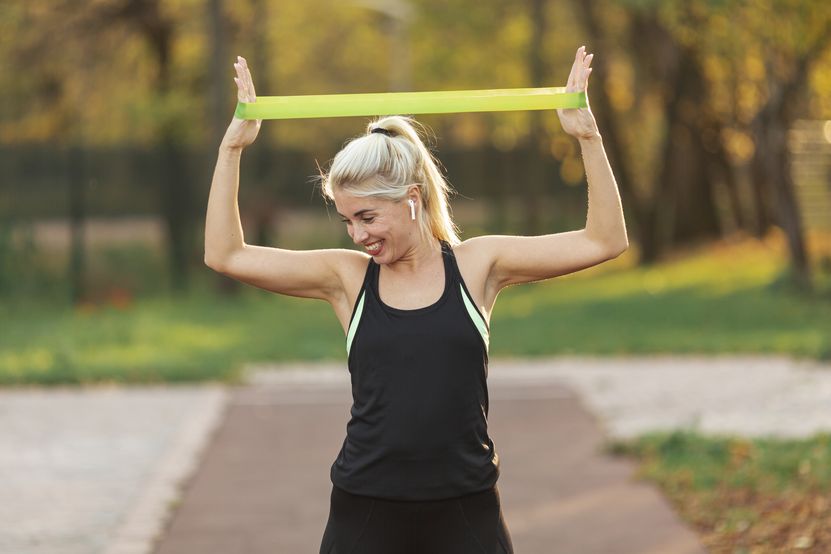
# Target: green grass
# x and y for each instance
(727, 299)
(742, 495)
(683, 460)
(198, 337)
(711, 302)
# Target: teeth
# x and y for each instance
(374, 246)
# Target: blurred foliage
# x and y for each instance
(743, 495)
(83, 69)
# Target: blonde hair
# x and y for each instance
(386, 164)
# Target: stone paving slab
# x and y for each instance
(92, 470)
(264, 483)
(751, 396)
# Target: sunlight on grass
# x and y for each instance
(713, 300)
(721, 299)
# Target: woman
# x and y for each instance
(417, 471)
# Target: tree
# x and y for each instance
(689, 56)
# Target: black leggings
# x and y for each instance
(470, 524)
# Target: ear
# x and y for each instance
(414, 193)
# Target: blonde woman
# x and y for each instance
(417, 471)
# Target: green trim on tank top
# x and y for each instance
(471, 310)
(353, 327)
(477, 319)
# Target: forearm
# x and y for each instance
(604, 222)
(223, 228)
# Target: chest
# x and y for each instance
(440, 336)
(411, 292)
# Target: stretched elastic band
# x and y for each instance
(390, 103)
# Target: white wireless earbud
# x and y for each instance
(412, 209)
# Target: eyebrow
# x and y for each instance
(359, 212)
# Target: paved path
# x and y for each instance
(264, 484)
(96, 470)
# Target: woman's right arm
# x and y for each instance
(310, 273)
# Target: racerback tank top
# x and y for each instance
(418, 426)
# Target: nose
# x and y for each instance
(359, 234)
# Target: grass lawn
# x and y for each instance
(743, 495)
(722, 299)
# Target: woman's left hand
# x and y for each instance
(579, 122)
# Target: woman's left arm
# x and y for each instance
(517, 259)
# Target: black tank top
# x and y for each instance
(418, 429)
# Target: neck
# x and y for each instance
(420, 255)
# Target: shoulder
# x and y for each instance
(351, 266)
(475, 258)
(477, 252)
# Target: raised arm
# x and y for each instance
(514, 259)
(223, 228)
(309, 273)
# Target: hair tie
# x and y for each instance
(381, 130)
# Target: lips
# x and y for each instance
(374, 247)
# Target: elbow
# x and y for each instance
(220, 260)
(616, 250)
(214, 263)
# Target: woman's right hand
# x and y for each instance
(242, 132)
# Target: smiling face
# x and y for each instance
(383, 227)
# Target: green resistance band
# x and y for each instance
(391, 103)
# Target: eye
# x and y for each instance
(368, 219)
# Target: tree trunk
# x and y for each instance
(176, 198)
(772, 159)
(682, 209)
(636, 216)
(533, 185)
(220, 64)
(77, 217)
(772, 167)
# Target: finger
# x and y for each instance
(244, 63)
(241, 72)
(243, 87)
(251, 85)
(246, 84)
(249, 80)
(577, 60)
(585, 70)
(574, 76)
(242, 96)
(240, 83)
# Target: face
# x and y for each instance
(382, 227)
